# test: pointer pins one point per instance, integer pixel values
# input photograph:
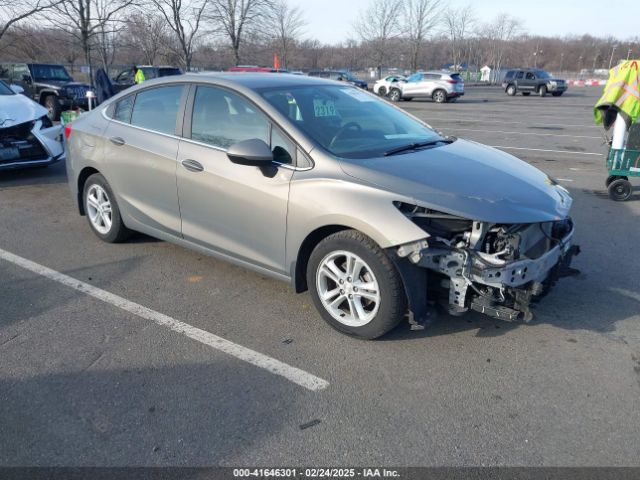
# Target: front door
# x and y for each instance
(237, 210)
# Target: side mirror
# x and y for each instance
(16, 89)
(26, 78)
(253, 152)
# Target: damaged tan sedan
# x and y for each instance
(327, 187)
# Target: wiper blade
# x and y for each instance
(415, 146)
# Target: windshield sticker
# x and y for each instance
(358, 95)
(324, 108)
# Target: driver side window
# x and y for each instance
(530, 76)
(221, 118)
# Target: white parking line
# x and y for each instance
(528, 124)
(522, 133)
(293, 374)
(543, 150)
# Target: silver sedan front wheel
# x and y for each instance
(355, 285)
(348, 288)
(98, 209)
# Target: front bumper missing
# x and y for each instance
(468, 280)
(22, 147)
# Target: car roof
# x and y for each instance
(256, 80)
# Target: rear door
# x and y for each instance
(140, 155)
(529, 82)
(237, 210)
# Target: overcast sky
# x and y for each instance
(330, 21)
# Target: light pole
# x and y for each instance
(611, 58)
(628, 54)
(561, 62)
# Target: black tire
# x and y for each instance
(395, 95)
(439, 96)
(620, 190)
(542, 90)
(52, 104)
(393, 302)
(382, 91)
(557, 94)
(118, 232)
(511, 90)
(611, 178)
(526, 94)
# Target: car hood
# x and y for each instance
(60, 83)
(16, 109)
(469, 180)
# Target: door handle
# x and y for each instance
(192, 165)
(117, 141)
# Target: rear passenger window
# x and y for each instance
(122, 111)
(157, 109)
(221, 118)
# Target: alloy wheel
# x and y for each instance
(99, 209)
(347, 288)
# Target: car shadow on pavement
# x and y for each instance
(214, 413)
(18, 292)
(52, 174)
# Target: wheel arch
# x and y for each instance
(299, 270)
(85, 173)
(44, 94)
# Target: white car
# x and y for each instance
(27, 136)
(383, 86)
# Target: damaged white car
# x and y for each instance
(27, 136)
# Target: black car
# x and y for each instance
(340, 75)
(48, 84)
(527, 80)
(125, 78)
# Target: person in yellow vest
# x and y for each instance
(138, 75)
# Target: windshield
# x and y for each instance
(50, 72)
(542, 74)
(5, 90)
(346, 121)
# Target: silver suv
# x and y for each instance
(325, 186)
(441, 87)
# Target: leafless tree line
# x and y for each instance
(213, 34)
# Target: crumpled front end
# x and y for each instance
(495, 269)
(32, 143)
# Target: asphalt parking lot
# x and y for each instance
(90, 378)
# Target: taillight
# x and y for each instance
(452, 81)
(67, 130)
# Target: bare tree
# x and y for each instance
(458, 23)
(185, 19)
(419, 18)
(148, 34)
(13, 12)
(237, 18)
(85, 19)
(377, 25)
(286, 25)
(498, 37)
